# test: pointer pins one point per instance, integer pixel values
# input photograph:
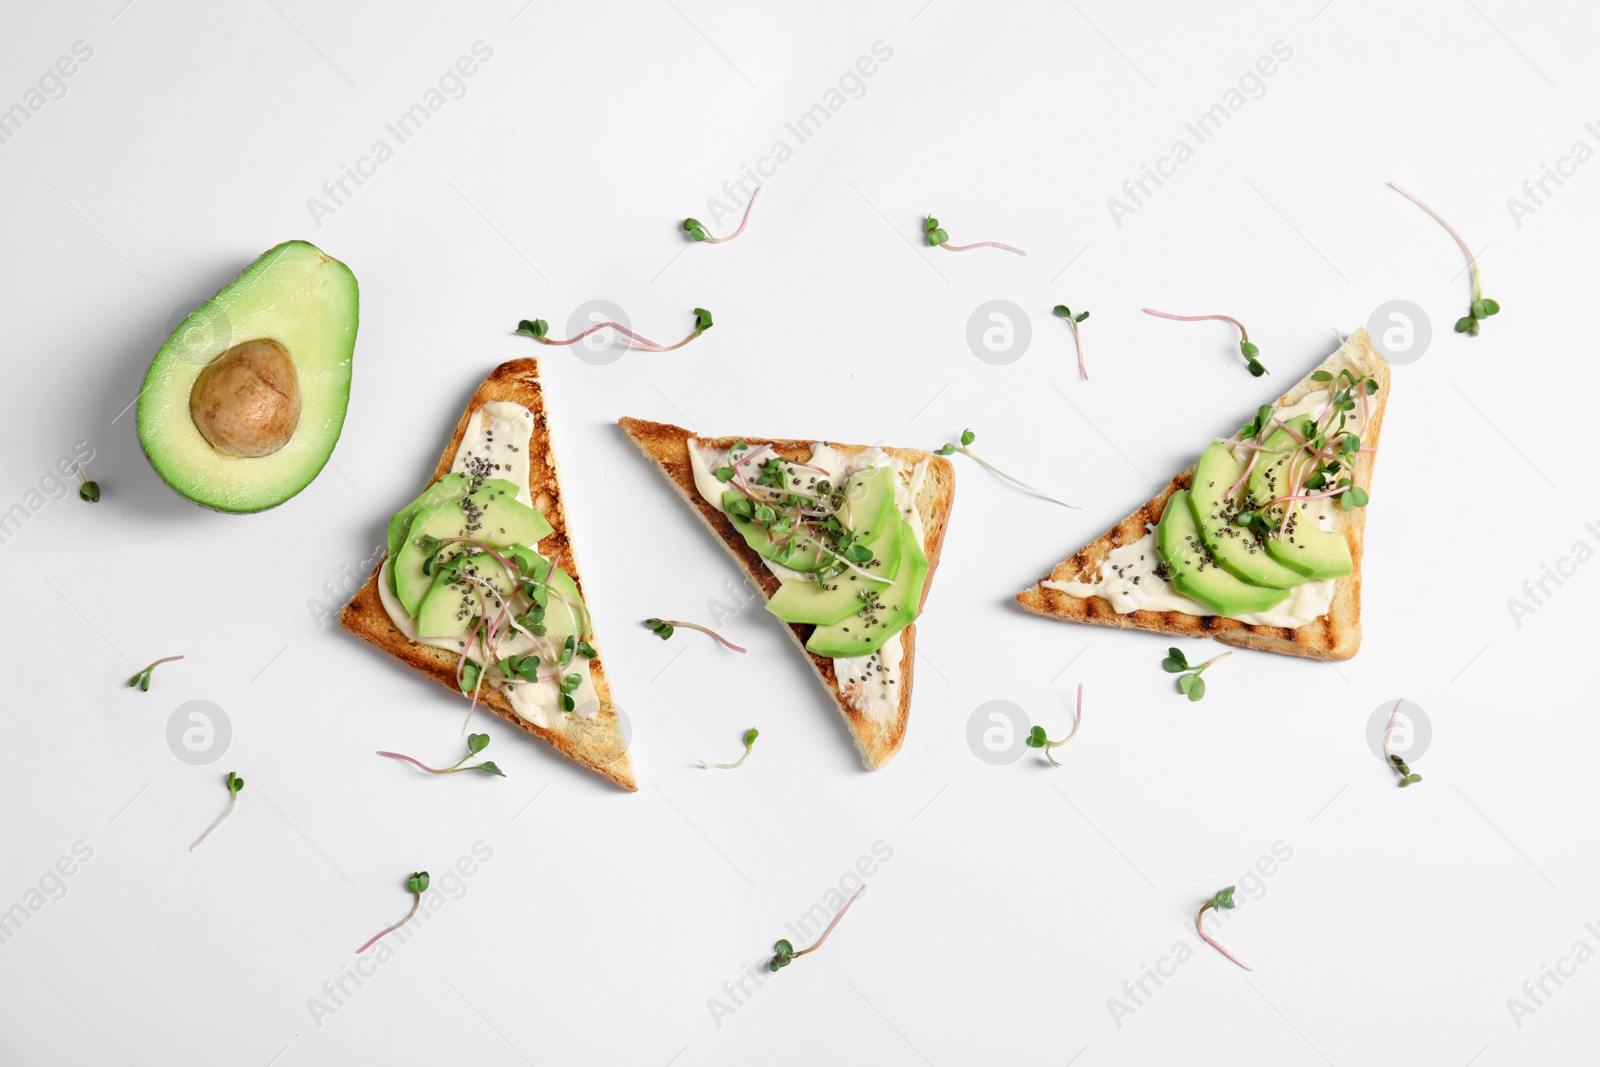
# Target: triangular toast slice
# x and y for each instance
(1335, 635)
(596, 740)
(877, 737)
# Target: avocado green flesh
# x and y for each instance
(831, 600)
(1304, 548)
(856, 635)
(869, 503)
(1314, 552)
(1233, 547)
(798, 552)
(869, 497)
(1196, 575)
(451, 487)
(502, 521)
(451, 605)
(309, 304)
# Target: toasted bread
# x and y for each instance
(1334, 636)
(594, 740)
(877, 739)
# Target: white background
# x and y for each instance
(1019, 899)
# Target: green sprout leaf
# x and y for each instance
(476, 743)
(235, 784)
(535, 328)
(489, 766)
(418, 882)
(724, 474)
(1175, 661)
(945, 450)
(750, 736)
(470, 673)
(1198, 689)
(967, 437)
(695, 229)
(89, 492)
(702, 320)
(1223, 898)
(1062, 310)
(659, 628)
(1249, 349)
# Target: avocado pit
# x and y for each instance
(246, 402)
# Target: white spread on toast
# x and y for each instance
(499, 432)
(871, 683)
(1128, 576)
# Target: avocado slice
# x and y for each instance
(1234, 547)
(832, 599)
(1303, 547)
(451, 487)
(1196, 575)
(500, 519)
(1311, 550)
(896, 607)
(793, 549)
(242, 405)
(451, 606)
(873, 521)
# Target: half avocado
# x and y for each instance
(243, 404)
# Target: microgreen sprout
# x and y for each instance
(784, 953)
(967, 437)
(750, 736)
(539, 330)
(1395, 759)
(416, 885)
(1190, 684)
(476, 743)
(663, 628)
(1077, 338)
(1481, 307)
(1037, 738)
(234, 784)
(697, 231)
(937, 238)
(88, 492)
(1247, 348)
(142, 679)
(1222, 899)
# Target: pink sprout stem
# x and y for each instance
(232, 801)
(408, 759)
(1472, 261)
(1077, 342)
(742, 223)
(834, 923)
(1208, 939)
(416, 903)
(1244, 335)
(723, 641)
(981, 244)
